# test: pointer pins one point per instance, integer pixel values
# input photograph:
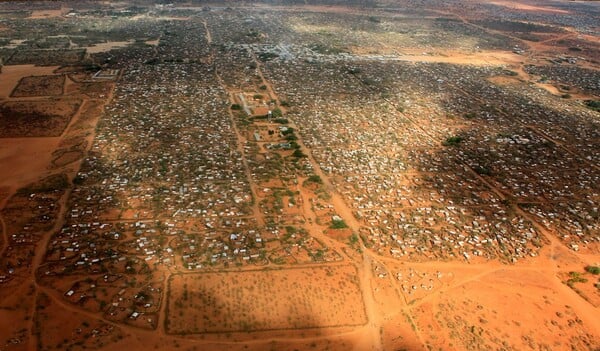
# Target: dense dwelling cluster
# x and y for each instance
(570, 76)
(31, 213)
(437, 159)
(165, 183)
(238, 139)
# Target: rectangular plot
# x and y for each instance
(39, 86)
(300, 298)
(47, 57)
(43, 118)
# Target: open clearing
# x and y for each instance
(526, 7)
(12, 74)
(45, 57)
(23, 160)
(263, 300)
(47, 118)
(475, 316)
(40, 86)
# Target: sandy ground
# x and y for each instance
(484, 58)
(10, 76)
(28, 159)
(24, 160)
(109, 45)
(526, 7)
(455, 306)
(37, 14)
(164, 18)
(265, 300)
(153, 42)
(479, 58)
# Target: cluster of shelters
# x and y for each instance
(435, 157)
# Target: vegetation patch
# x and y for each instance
(338, 224)
(453, 141)
(593, 105)
(298, 153)
(264, 300)
(326, 49)
(47, 118)
(43, 57)
(39, 86)
(575, 277)
(267, 56)
(593, 269)
(313, 179)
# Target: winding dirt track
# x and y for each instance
(342, 209)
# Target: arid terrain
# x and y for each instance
(314, 175)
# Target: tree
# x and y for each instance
(277, 112)
(338, 224)
(298, 153)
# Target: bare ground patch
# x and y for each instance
(520, 310)
(261, 300)
(47, 118)
(40, 86)
(45, 57)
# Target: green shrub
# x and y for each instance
(593, 104)
(276, 113)
(315, 179)
(593, 269)
(288, 131)
(298, 153)
(338, 224)
(453, 141)
(575, 278)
